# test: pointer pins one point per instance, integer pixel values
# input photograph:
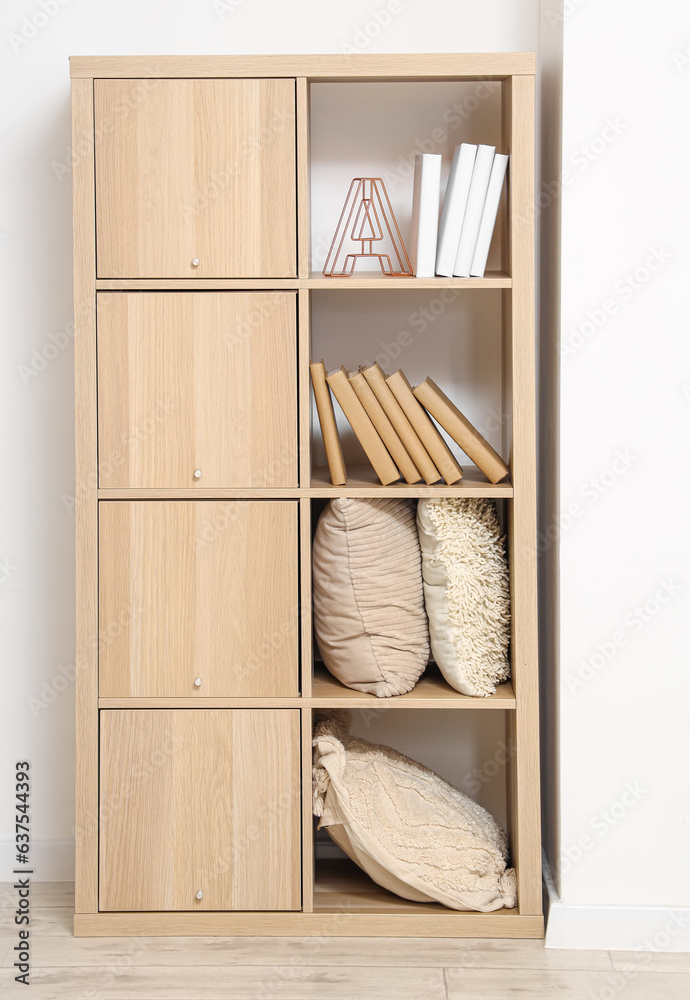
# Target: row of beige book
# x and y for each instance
(392, 421)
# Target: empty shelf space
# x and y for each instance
(431, 691)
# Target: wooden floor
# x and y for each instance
(68, 968)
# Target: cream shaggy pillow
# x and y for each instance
(407, 828)
(369, 617)
(467, 591)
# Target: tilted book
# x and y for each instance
(406, 432)
(387, 432)
(477, 449)
(329, 428)
(486, 226)
(428, 434)
(368, 436)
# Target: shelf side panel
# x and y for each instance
(302, 120)
(85, 500)
(519, 318)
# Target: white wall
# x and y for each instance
(37, 541)
(623, 543)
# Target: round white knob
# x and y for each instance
(197, 682)
(197, 473)
(196, 262)
(199, 894)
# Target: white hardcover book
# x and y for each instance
(473, 212)
(454, 205)
(486, 226)
(425, 204)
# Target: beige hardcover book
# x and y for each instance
(329, 428)
(477, 449)
(387, 432)
(427, 432)
(383, 464)
(376, 378)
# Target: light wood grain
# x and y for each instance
(677, 962)
(307, 723)
(86, 506)
(43, 894)
(438, 65)
(305, 598)
(523, 769)
(55, 946)
(201, 702)
(232, 227)
(679, 986)
(174, 183)
(302, 121)
(56, 922)
(362, 482)
(200, 800)
(290, 982)
(202, 492)
(198, 589)
(342, 887)
(503, 984)
(315, 281)
(197, 284)
(431, 691)
(303, 380)
(337, 923)
(372, 280)
(197, 381)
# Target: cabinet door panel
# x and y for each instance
(200, 800)
(198, 589)
(201, 381)
(195, 170)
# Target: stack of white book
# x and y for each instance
(458, 245)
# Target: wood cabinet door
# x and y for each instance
(200, 801)
(198, 599)
(195, 178)
(197, 389)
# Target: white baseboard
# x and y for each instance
(614, 928)
(50, 861)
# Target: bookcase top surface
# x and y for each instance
(436, 66)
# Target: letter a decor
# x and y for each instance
(367, 218)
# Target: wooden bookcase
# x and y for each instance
(197, 491)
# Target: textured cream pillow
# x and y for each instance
(467, 592)
(407, 828)
(369, 615)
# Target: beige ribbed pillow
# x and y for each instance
(467, 591)
(407, 828)
(369, 617)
